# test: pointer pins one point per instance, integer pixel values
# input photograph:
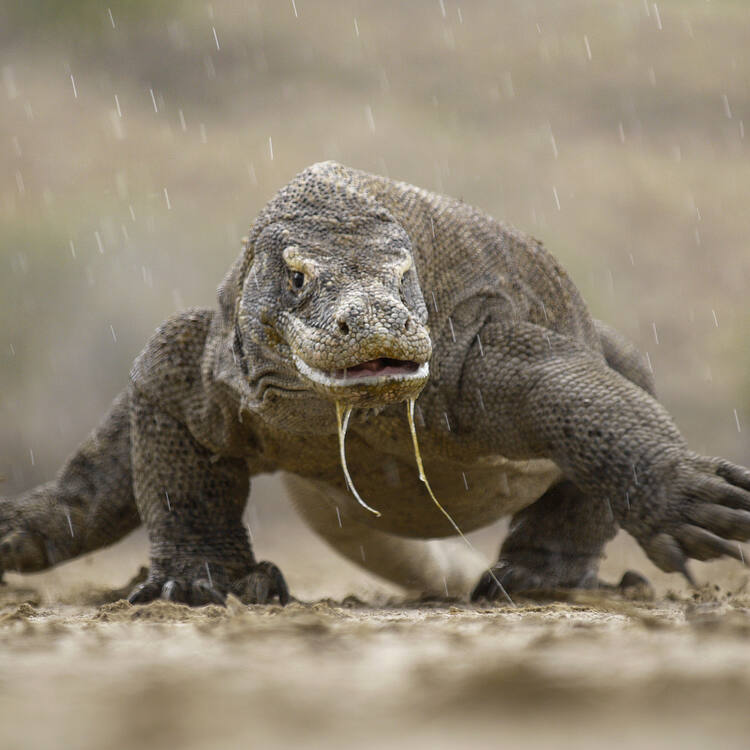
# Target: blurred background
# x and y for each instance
(139, 139)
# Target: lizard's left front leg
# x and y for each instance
(191, 501)
(528, 392)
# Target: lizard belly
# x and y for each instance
(474, 495)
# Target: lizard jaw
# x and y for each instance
(382, 374)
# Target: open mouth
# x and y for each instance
(373, 372)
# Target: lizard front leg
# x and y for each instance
(191, 502)
(530, 392)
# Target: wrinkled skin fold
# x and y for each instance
(356, 299)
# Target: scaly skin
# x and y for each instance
(355, 289)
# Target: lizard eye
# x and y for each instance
(297, 280)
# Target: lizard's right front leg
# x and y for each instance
(191, 502)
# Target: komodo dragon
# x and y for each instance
(353, 291)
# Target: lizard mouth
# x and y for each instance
(377, 371)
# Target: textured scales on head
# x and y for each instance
(325, 299)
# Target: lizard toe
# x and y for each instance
(145, 592)
(23, 551)
(264, 583)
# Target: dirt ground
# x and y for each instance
(81, 668)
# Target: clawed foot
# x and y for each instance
(507, 579)
(705, 514)
(262, 585)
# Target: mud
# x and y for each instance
(81, 668)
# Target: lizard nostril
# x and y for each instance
(407, 324)
(343, 327)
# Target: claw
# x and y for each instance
(736, 475)
(263, 584)
(666, 553)
(144, 593)
(703, 545)
(174, 591)
(726, 522)
(202, 592)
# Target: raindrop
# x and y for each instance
(112, 331)
(657, 15)
(169, 505)
(447, 422)
(166, 198)
(111, 17)
(479, 341)
(270, 141)
(727, 108)
(153, 99)
(356, 27)
(716, 320)
(183, 124)
(117, 104)
(481, 400)
(216, 38)
(294, 8)
(75, 90)
(70, 523)
(99, 244)
(370, 118)
(466, 483)
(338, 516)
(362, 552)
(453, 333)
(208, 573)
(737, 421)
(557, 198)
(656, 333)
(588, 46)
(31, 456)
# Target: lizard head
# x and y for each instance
(335, 304)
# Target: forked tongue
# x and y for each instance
(423, 477)
(342, 418)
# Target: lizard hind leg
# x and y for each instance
(555, 543)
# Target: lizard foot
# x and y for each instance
(703, 513)
(211, 585)
(520, 580)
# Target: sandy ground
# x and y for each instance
(83, 669)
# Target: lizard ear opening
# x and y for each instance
(230, 289)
